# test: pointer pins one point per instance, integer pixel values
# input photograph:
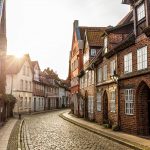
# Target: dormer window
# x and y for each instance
(93, 52)
(105, 44)
(140, 12)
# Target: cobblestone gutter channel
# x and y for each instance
(101, 133)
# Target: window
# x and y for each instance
(26, 85)
(1, 6)
(113, 101)
(93, 52)
(89, 78)
(128, 63)
(105, 72)
(112, 67)
(99, 74)
(30, 86)
(92, 73)
(21, 84)
(140, 12)
(129, 99)
(25, 103)
(29, 102)
(86, 57)
(99, 101)
(90, 104)
(142, 58)
(21, 103)
(105, 44)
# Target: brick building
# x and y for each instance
(134, 72)
(3, 45)
(92, 44)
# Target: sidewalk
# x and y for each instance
(5, 132)
(132, 141)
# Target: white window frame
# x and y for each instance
(93, 52)
(141, 12)
(99, 101)
(128, 63)
(99, 74)
(105, 44)
(112, 67)
(142, 58)
(113, 101)
(105, 73)
(129, 101)
(91, 104)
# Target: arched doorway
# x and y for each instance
(105, 107)
(143, 109)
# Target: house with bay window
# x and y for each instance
(92, 45)
(19, 77)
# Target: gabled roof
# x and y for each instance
(35, 63)
(14, 65)
(94, 37)
(127, 18)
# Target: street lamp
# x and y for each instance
(115, 77)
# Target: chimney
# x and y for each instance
(75, 24)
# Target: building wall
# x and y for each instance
(13, 87)
(132, 81)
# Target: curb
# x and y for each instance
(106, 135)
(19, 135)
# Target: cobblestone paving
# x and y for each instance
(13, 140)
(50, 132)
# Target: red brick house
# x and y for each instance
(134, 72)
(3, 45)
(92, 44)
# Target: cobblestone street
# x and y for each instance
(50, 132)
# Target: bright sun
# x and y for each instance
(17, 54)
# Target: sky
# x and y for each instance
(44, 28)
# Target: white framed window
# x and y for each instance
(140, 12)
(92, 76)
(112, 67)
(99, 102)
(85, 78)
(129, 101)
(26, 85)
(93, 52)
(25, 103)
(89, 78)
(29, 102)
(142, 58)
(105, 44)
(128, 63)
(90, 104)
(105, 72)
(113, 101)
(99, 74)
(86, 57)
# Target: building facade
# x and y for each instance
(19, 79)
(3, 46)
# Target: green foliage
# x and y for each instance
(108, 126)
(115, 128)
(9, 99)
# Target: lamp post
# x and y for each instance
(115, 78)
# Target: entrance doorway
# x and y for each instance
(105, 108)
(143, 109)
(34, 104)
